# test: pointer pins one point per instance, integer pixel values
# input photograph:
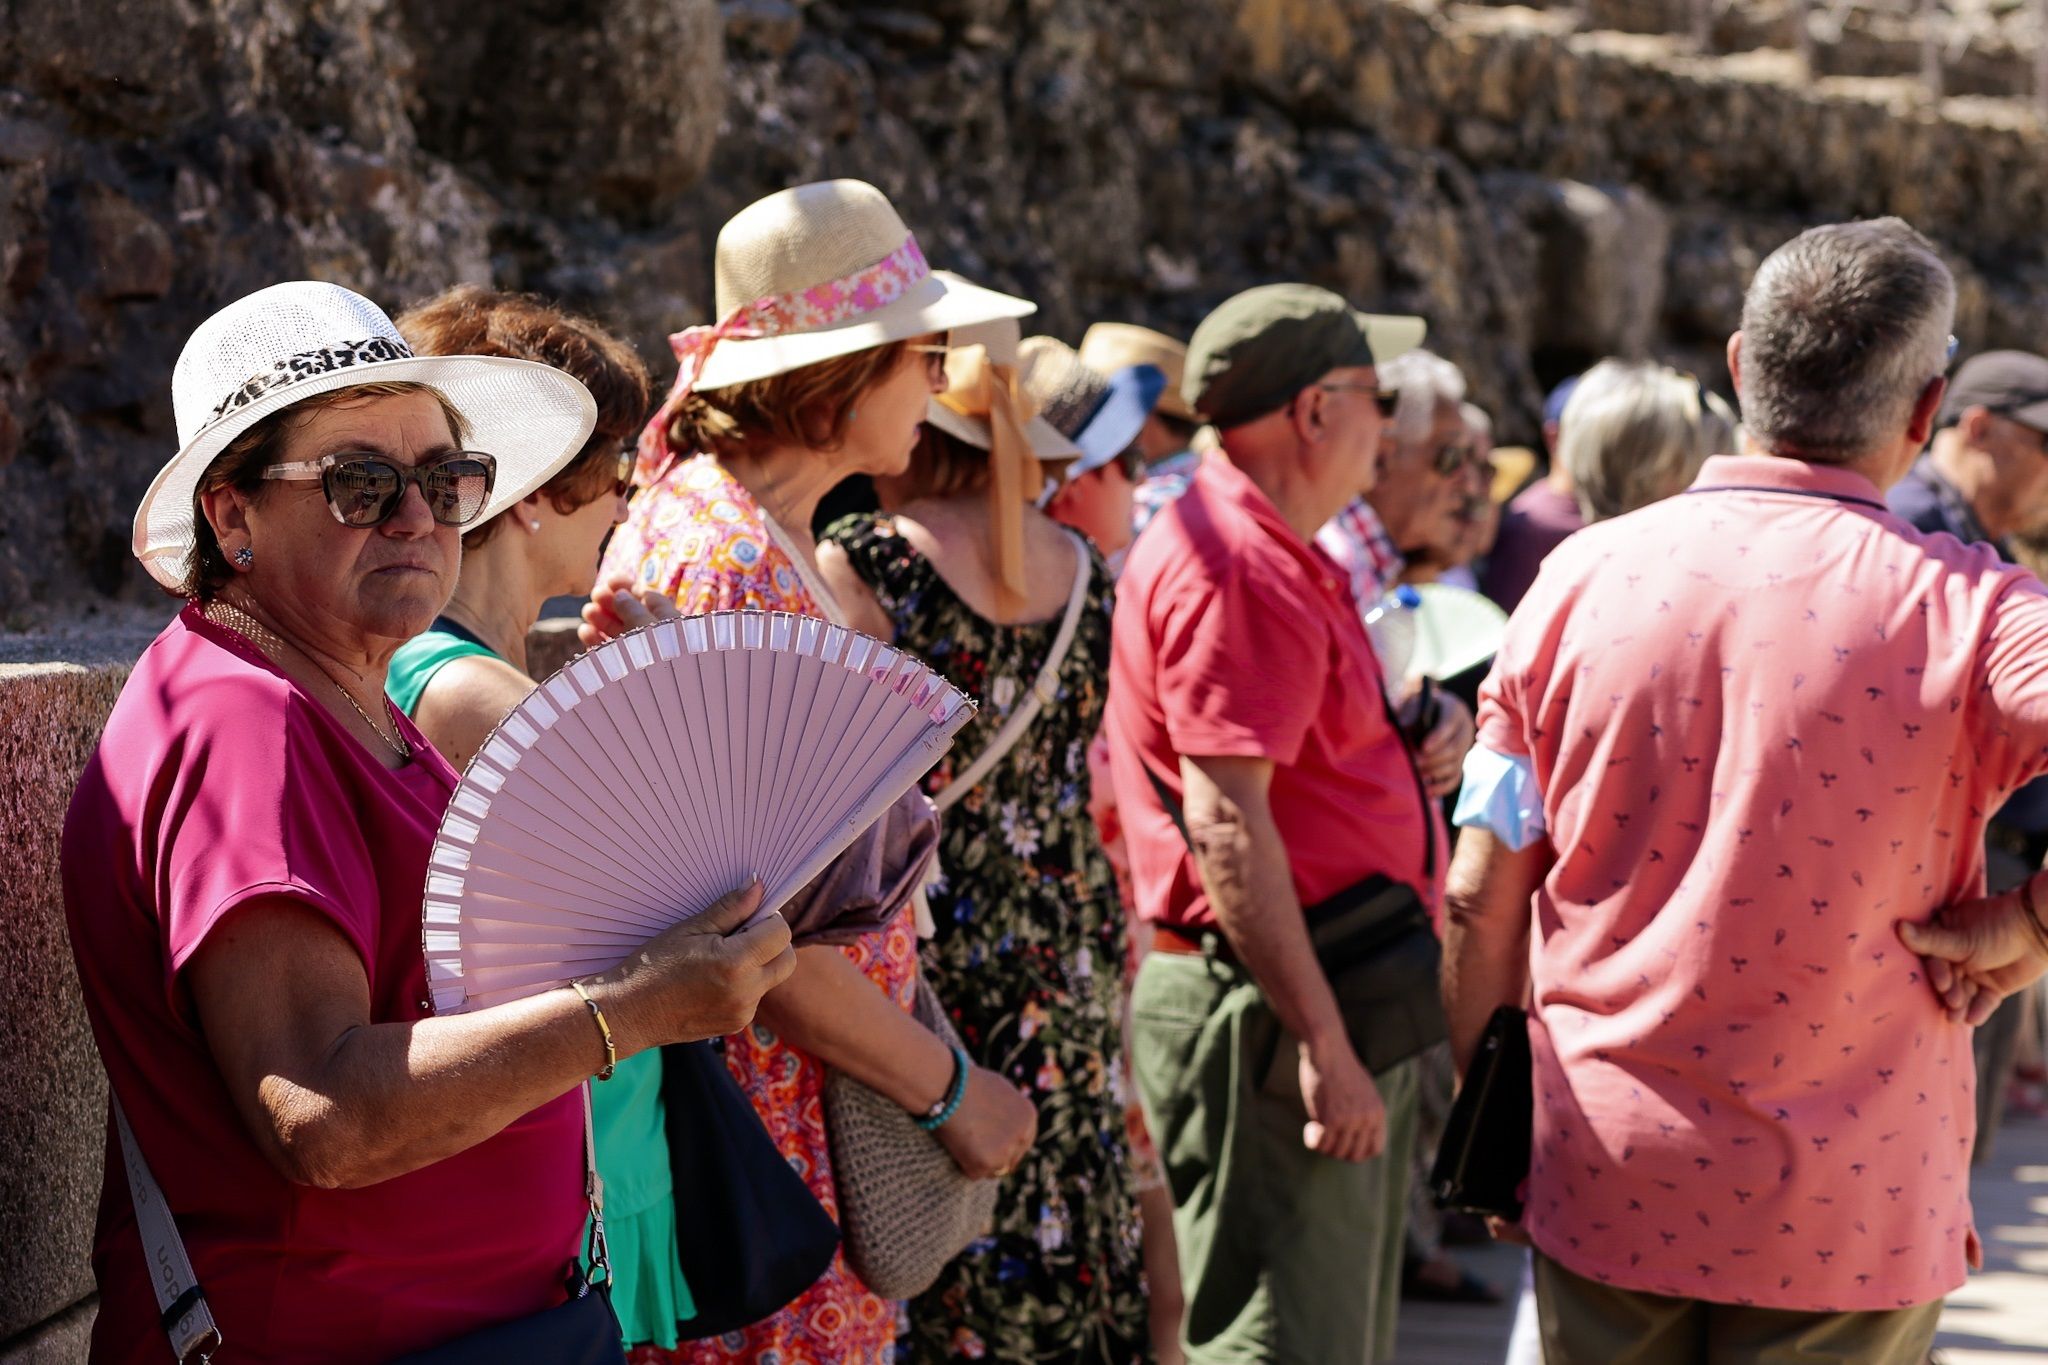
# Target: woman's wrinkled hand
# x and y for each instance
(614, 608)
(993, 1128)
(702, 978)
(1978, 952)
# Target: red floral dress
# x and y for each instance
(698, 536)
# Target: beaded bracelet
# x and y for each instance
(941, 1113)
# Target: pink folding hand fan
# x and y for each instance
(656, 773)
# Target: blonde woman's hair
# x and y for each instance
(1635, 432)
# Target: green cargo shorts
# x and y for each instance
(1285, 1256)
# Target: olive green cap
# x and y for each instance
(1261, 347)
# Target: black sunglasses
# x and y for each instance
(1385, 399)
(364, 488)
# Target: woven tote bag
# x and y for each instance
(905, 1208)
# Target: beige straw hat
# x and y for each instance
(1110, 346)
(825, 270)
(277, 346)
(807, 275)
(963, 409)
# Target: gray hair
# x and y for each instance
(1635, 432)
(1481, 422)
(1426, 382)
(1842, 329)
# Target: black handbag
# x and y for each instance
(583, 1331)
(750, 1235)
(1376, 946)
(1484, 1156)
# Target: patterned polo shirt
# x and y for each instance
(1769, 719)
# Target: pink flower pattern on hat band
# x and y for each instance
(803, 310)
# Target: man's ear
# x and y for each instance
(1925, 409)
(1975, 425)
(1306, 413)
(1735, 363)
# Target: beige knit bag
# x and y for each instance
(905, 1208)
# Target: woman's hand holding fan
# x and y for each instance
(704, 978)
(651, 776)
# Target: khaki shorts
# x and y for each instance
(1589, 1323)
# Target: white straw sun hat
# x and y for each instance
(289, 342)
(811, 274)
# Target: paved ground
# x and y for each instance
(1999, 1318)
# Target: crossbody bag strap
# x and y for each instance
(593, 1191)
(187, 1320)
(1174, 813)
(1043, 689)
(181, 1304)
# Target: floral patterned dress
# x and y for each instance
(1028, 957)
(697, 535)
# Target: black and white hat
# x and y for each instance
(289, 342)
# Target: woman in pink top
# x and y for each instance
(243, 861)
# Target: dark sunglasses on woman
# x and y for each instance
(364, 488)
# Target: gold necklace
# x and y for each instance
(270, 643)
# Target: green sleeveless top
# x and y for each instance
(419, 659)
(648, 1289)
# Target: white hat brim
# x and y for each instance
(1046, 441)
(1391, 334)
(940, 302)
(531, 418)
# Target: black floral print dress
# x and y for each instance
(1028, 957)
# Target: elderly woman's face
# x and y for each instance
(387, 581)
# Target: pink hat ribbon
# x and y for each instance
(805, 310)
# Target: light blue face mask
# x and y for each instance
(1500, 796)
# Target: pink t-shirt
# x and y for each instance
(1769, 719)
(1235, 639)
(217, 781)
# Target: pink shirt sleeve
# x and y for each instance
(1231, 660)
(1503, 721)
(2015, 662)
(256, 807)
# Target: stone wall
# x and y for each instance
(53, 1093)
(1542, 194)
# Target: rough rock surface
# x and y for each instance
(52, 1091)
(1543, 194)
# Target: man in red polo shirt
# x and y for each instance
(1243, 689)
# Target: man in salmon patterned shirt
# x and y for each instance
(1729, 743)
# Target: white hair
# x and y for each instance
(1426, 382)
(1481, 422)
(1635, 432)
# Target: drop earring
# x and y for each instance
(244, 557)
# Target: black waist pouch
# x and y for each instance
(1376, 947)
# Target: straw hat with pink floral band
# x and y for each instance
(986, 405)
(807, 275)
